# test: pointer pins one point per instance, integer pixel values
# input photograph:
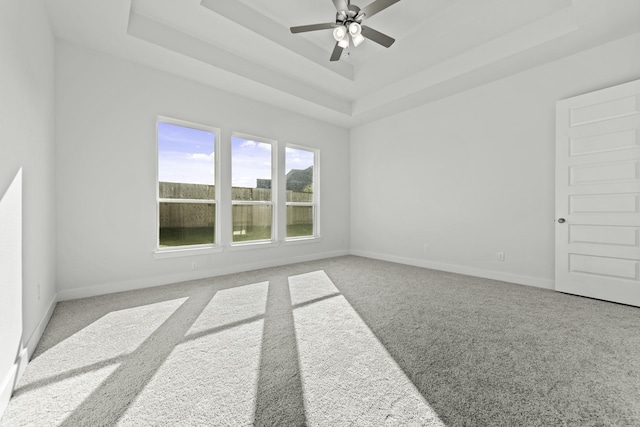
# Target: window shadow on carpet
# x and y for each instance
(279, 396)
(71, 317)
(346, 340)
(109, 401)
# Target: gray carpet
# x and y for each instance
(342, 342)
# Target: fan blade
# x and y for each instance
(337, 53)
(377, 36)
(376, 7)
(341, 5)
(314, 27)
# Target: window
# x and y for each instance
(252, 189)
(189, 208)
(186, 184)
(302, 195)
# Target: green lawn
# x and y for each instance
(299, 230)
(204, 235)
(186, 236)
(264, 233)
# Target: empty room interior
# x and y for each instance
(320, 212)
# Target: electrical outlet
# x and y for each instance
(194, 265)
(500, 256)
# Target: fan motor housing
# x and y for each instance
(351, 16)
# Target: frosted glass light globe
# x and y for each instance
(339, 33)
(355, 29)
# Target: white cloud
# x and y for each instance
(247, 143)
(184, 167)
(201, 156)
(244, 181)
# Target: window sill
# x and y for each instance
(253, 245)
(302, 240)
(176, 253)
(184, 252)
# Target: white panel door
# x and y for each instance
(598, 194)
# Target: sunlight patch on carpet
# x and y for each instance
(69, 372)
(347, 374)
(210, 378)
(51, 404)
(117, 333)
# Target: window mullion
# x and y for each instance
(204, 201)
(300, 204)
(251, 202)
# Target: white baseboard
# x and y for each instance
(8, 383)
(34, 339)
(129, 285)
(461, 269)
(6, 388)
(21, 363)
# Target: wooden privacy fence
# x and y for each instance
(188, 215)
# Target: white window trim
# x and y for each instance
(315, 204)
(253, 244)
(302, 240)
(257, 244)
(189, 250)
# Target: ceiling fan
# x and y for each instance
(349, 24)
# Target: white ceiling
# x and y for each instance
(244, 46)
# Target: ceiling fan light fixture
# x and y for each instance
(339, 33)
(357, 40)
(347, 27)
(355, 29)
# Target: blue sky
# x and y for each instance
(186, 155)
(250, 160)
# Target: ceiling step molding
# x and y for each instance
(152, 31)
(264, 26)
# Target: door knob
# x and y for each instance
(561, 220)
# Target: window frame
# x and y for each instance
(314, 204)
(274, 194)
(181, 250)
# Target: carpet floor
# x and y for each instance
(347, 341)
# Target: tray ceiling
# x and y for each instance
(244, 46)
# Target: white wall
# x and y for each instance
(27, 274)
(473, 174)
(106, 172)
